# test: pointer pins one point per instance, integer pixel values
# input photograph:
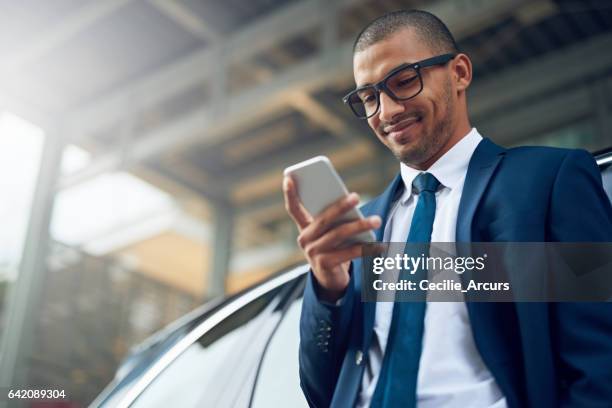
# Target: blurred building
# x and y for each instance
(143, 141)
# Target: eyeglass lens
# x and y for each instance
(404, 84)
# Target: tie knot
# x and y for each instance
(425, 182)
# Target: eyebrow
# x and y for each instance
(386, 74)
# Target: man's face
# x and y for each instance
(416, 129)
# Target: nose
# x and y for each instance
(389, 107)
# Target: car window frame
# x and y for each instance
(242, 335)
(235, 304)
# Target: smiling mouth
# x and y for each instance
(400, 132)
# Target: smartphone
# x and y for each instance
(319, 185)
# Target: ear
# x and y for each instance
(462, 71)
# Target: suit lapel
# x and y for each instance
(484, 162)
(363, 315)
(379, 206)
(482, 165)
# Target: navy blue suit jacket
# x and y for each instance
(541, 354)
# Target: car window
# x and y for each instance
(278, 382)
(224, 357)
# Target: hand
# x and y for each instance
(323, 241)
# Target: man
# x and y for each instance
(453, 185)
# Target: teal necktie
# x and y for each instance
(397, 381)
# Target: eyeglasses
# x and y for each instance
(403, 83)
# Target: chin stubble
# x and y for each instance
(431, 143)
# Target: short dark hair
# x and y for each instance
(429, 28)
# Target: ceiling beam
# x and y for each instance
(196, 68)
(177, 188)
(317, 113)
(191, 175)
(264, 34)
(209, 125)
(300, 152)
(186, 18)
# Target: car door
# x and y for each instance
(217, 360)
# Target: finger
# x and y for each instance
(329, 217)
(336, 257)
(293, 205)
(337, 236)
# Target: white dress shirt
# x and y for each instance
(451, 371)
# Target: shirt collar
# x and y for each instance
(449, 169)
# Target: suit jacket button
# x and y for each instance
(358, 357)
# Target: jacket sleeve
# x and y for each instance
(324, 333)
(580, 211)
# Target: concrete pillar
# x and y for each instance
(222, 242)
(24, 293)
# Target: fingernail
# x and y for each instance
(353, 198)
(375, 221)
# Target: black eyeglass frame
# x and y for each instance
(382, 85)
